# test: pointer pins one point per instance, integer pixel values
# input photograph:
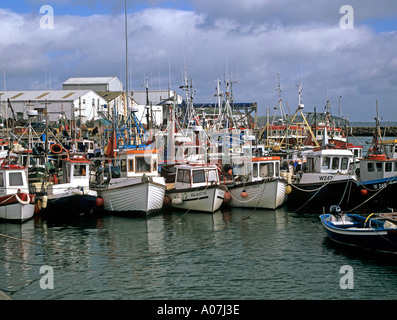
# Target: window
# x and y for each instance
(1, 180)
(370, 167)
(154, 165)
(123, 165)
(255, 170)
(395, 166)
(326, 162)
(310, 165)
(266, 170)
(79, 170)
(388, 166)
(277, 168)
(183, 176)
(15, 179)
(142, 165)
(198, 176)
(345, 163)
(131, 165)
(379, 166)
(335, 163)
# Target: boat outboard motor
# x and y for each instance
(336, 211)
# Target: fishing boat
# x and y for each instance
(69, 193)
(136, 186)
(377, 171)
(369, 232)
(197, 188)
(325, 177)
(16, 203)
(261, 186)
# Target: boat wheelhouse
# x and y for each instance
(16, 204)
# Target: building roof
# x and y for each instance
(89, 80)
(43, 95)
(155, 96)
(110, 95)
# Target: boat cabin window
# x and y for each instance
(370, 167)
(79, 170)
(154, 165)
(335, 163)
(388, 166)
(183, 176)
(310, 165)
(123, 165)
(198, 176)
(1, 180)
(326, 162)
(379, 166)
(395, 166)
(345, 163)
(15, 179)
(255, 170)
(141, 165)
(266, 169)
(131, 165)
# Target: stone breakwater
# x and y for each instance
(369, 131)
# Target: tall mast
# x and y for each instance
(126, 59)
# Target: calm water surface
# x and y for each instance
(231, 254)
(234, 254)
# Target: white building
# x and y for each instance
(94, 84)
(152, 101)
(73, 104)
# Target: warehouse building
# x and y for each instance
(94, 83)
(71, 104)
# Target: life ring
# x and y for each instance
(56, 148)
(27, 201)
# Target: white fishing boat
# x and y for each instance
(197, 188)
(260, 186)
(16, 204)
(137, 187)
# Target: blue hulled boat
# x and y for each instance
(374, 232)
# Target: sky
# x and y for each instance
(344, 55)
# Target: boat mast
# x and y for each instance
(126, 58)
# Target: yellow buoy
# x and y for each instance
(288, 189)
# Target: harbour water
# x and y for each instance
(233, 254)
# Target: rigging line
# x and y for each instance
(381, 189)
(295, 211)
(344, 193)
(263, 190)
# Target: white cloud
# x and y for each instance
(358, 64)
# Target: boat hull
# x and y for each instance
(203, 199)
(265, 194)
(138, 195)
(13, 210)
(70, 204)
(342, 190)
(378, 239)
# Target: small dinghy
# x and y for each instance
(374, 232)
